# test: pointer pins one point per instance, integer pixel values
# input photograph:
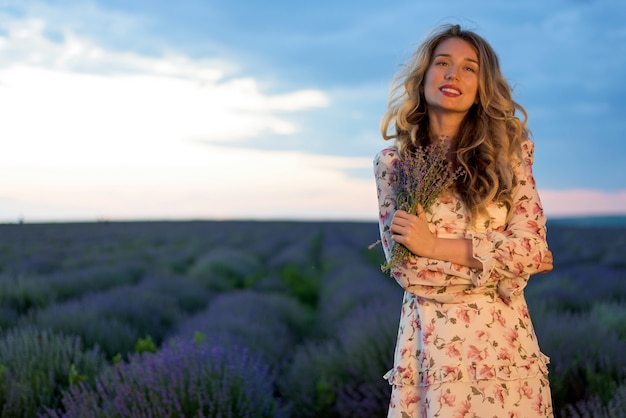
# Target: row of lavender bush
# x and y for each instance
(260, 319)
(578, 311)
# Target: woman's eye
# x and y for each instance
(442, 63)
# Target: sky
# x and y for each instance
(242, 109)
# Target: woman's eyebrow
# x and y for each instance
(448, 56)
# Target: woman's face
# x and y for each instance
(451, 81)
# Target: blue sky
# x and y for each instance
(247, 109)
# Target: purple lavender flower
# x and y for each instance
(422, 175)
(183, 379)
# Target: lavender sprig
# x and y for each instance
(422, 176)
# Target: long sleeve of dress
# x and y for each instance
(511, 255)
(509, 252)
(385, 169)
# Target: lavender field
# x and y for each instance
(261, 319)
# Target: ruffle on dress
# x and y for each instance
(468, 373)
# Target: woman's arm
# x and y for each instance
(419, 275)
(455, 250)
(452, 275)
(385, 169)
(515, 252)
(413, 232)
(521, 249)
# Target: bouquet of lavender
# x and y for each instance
(422, 175)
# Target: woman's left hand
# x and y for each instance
(546, 263)
(412, 231)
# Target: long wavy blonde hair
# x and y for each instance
(488, 142)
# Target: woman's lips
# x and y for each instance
(450, 90)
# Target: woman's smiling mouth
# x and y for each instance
(450, 90)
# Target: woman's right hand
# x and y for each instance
(413, 232)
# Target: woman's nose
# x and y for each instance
(451, 74)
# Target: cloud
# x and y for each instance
(91, 131)
(88, 132)
(206, 181)
(583, 202)
(74, 92)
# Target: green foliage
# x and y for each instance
(115, 319)
(145, 344)
(267, 324)
(96, 278)
(198, 338)
(225, 269)
(610, 315)
(325, 396)
(8, 317)
(36, 365)
(374, 256)
(111, 335)
(22, 294)
(330, 378)
(601, 383)
(117, 358)
(181, 293)
(562, 288)
(75, 377)
(313, 379)
(302, 284)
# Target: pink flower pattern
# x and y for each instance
(466, 345)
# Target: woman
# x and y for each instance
(466, 345)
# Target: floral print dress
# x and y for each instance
(466, 346)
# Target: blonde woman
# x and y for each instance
(466, 346)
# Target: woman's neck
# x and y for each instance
(442, 127)
(434, 137)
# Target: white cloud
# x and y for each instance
(90, 133)
(125, 97)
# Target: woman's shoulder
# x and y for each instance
(385, 163)
(527, 151)
(528, 146)
(386, 156)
